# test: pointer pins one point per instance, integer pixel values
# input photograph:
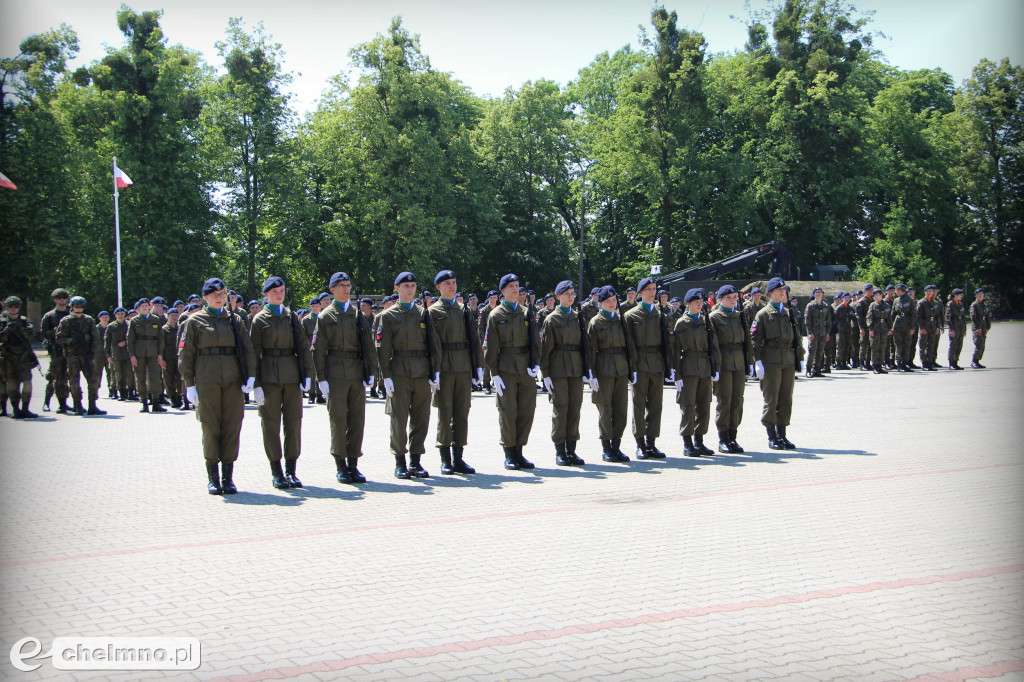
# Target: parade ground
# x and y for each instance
(888, 546)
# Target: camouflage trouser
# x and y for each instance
(855, 345)
(17, 378)
(956, 344)
(57, 376)
(979, 345)
(890, 350)
(78, 365)
(830, 350)
(865, 349)
(928, 344)
(903, 341)
(843, 347)
(816, 353)
(878, 342)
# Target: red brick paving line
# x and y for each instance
(496, 515)
(979, 672)
(618, 623)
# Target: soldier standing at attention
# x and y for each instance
(17, 358)
(115, 343)
(734, 351)
(562, 362)
(611, 364)
(912, 350)
(862, 312)
(816, 319)
(752, 306)
(832, 343)
(57, 374)
(981, 323)
(630, 301)
(406, 352)
(855, 330)
(99, 361)
(144, 341)
(549, 307)
(956, 320)
(843, 316)
(309, 326)
(343, 354)
(489, 306)
(929, 321)
(215, 379)
(169, 353)
(903, 327)
(510, 342)
(76, 334)
(460, 360)
(878, 330)
(696, 359)
(890, 343)
(650, 334)
(284, 368)
(589, 308)
(778, 356)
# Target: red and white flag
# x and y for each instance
(6, 182)
(121, 178)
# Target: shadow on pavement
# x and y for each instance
(312, 491)
(246, 497)
(826, 451)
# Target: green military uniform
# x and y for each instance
(650, 333)
(832, 343)
(861, 310)
(208, 360)
(750, 310)
(77, 336)
(169, 351)
(772, 340)
(115, 343)
(460, 356)
(145, 345)
(283, 363)
(904, 314)
(890, 342)
(589, 310)
(956, 321)
(981, 323)
(693, 357)
(627, 306)
(929, 321)
(854, 337)
(99, 360)
(402, 351)
(309, 326)
(844, 315)
(562, 362)
(481, 329)
(339, 357)
(610, 359)
(878, 324)
(57, 373)
(507, 354)
(816, 319)
(733, 339)
(16, 362)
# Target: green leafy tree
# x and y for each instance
(896, 255)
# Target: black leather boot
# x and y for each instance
(78, 409)
(344, 474)
(698, 442)
(688, 449)
(617, 444)
(214, 475)
(156, 406)
(46, 398)
(560, 457)
(446, 460)
(62, 406)
(723, 443)
(459, 465)
(3, 407)
(773, 439)
(523, 462)
(278, 475)
(641, 449)
(781, 431)
(357, 477)
(122, 395)
(289, 473)
(227, 469)
(652, 451)
(511, 463)
(25, 414)
(401, 468)
(415, 469)
(734, 447)
(93, 410)
(612, 453)
(570, 452)
(145, 406)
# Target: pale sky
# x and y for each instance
(493, 44)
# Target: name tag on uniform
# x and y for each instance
(502, 321)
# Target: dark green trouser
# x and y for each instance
(409, 408)
(830, 351)
(878, 349)
(147, 377)
(729, 391)
(516, 406)
(172, 380)
(611, 406)
(220, 410)
(777, 389)
(124, 376)
(956, 344)
(843, 347)
(979, 345)
(566, 400)
(855, 346)
(282, 400)
(78, 365)
(695, 405)
(904, 343)
(865, 349)
(928, 344)
(647, 399)
(453, 401)
(346, 408)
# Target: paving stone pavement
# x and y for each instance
(887, 547)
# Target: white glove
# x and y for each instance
(389, 387)
(533, 371)
(436, 383)
(369, 383)
(801, 364)
(248, 385)
(548, 384)
(679, 385)
(750, 370)
(306, 384)
(479, 375)
(259, 396)
(716, 377)
(499, 385)
(325, 388)
(759, 370)
(192, 394)
(672, 375)
(632, 381)
(595, 385)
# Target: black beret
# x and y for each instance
(901, 286)
(725, 290)
(367, 301)
(404, 277)
(506, 280)
(605, 292)
(877, 291)
(471, 295)
(860, 291)
(232, 292)
(816, 290)
(272, 282)
(324, 295)
(676, 299)
(457, 294)
(868, 286)
(336, 278)
(563, 286)
(595, 290)
(443, 276)
(890, 287)
(252, 303)
(630, 289)
(693, 295)
(662, 292)
(774, 283)
(193, 297)
(213, 284)
(170, 311)
(531, 293)
(644, 283)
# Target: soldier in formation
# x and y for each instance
(16, 359)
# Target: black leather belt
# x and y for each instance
(352, 354)
(218, 350)
(277, 352)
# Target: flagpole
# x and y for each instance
(117, 237)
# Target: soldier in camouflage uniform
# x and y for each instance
(76, 335)
(16, 359)
(864, 342)
(913, 344)
(981, 323)
(930, 327)
(57, 374)
(879, 329)
(832, 343)
(904, 327)
(956, 320)
(889, 301)
(816, 319)
(100, 359)
(844, 318)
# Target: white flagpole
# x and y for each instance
(117, 237)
